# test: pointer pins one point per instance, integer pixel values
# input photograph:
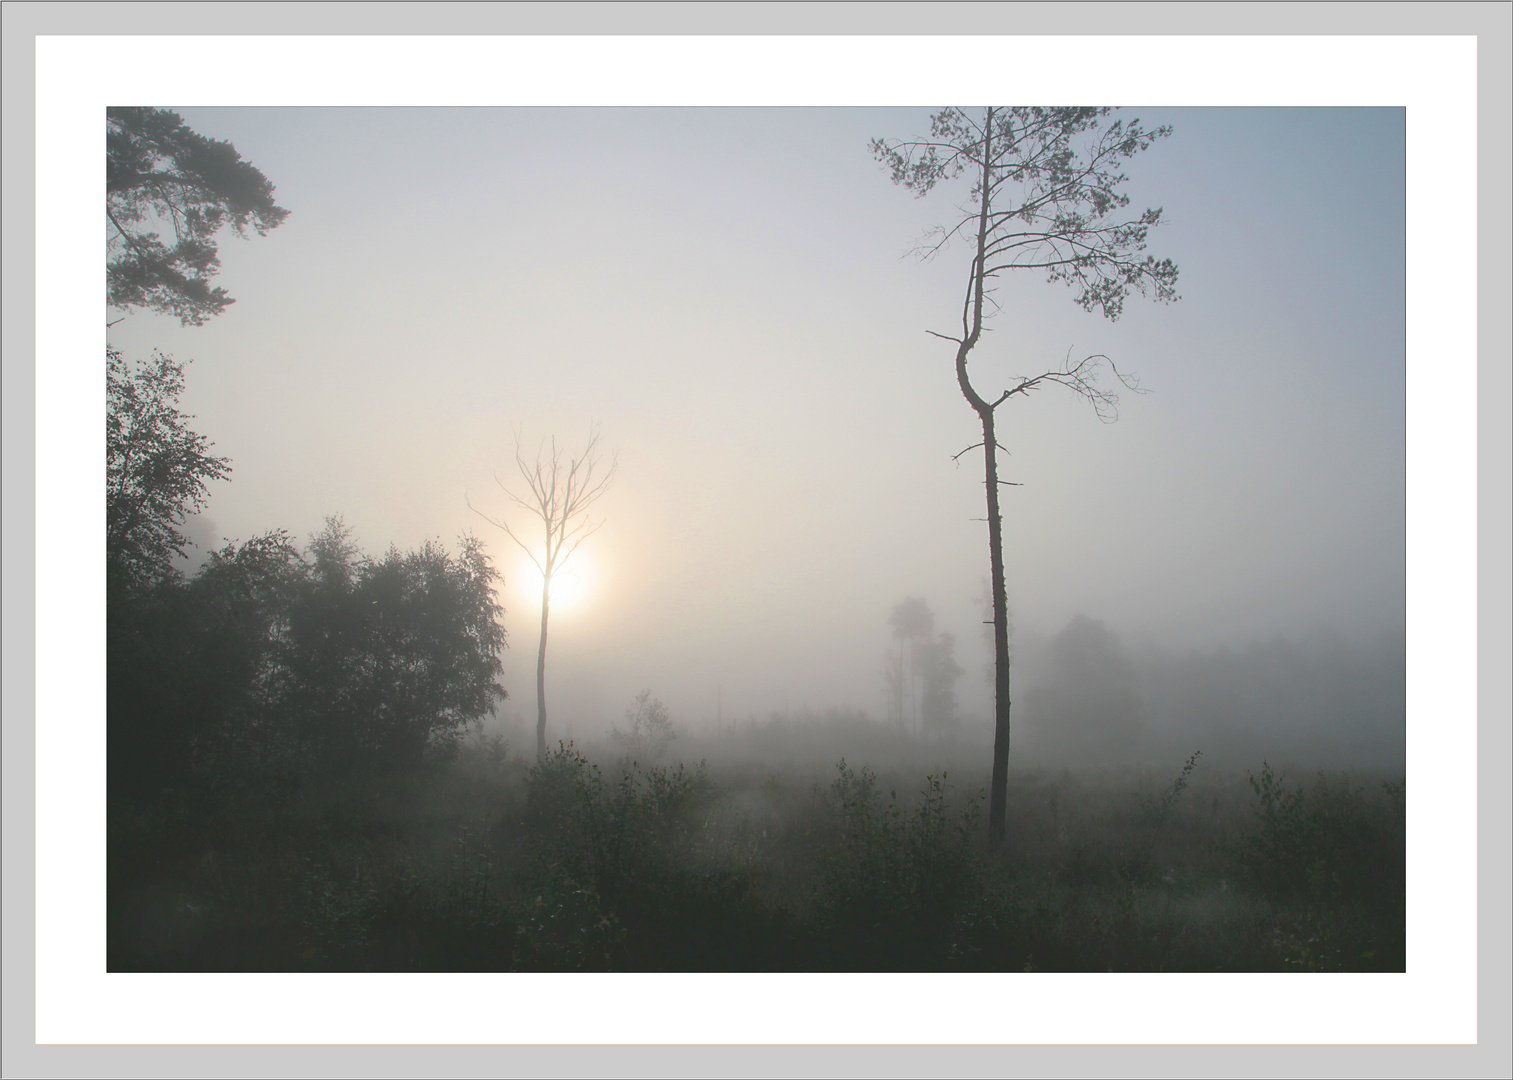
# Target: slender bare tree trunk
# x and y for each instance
(546, 585)
(560, 499)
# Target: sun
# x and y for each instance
(570, 581)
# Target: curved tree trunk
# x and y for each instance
(972, 317)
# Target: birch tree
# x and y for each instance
(560, 491)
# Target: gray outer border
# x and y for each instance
(1491, 23)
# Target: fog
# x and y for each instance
(726, 293)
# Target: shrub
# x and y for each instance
(1327, 844)
(610, 835)
(899, 886)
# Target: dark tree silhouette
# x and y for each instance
(561, 493)
(181, 659)
(156, 469)
(161, 175)
(1045, 195)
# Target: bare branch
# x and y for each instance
(504, 525)
(1082, 378)
(977, 445)
(558, 495)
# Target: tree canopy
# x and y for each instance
(160, 175)
(387, 659)
(287, 665)
(1039, 202)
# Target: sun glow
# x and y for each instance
(570, 581)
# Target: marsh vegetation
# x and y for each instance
(595, 862)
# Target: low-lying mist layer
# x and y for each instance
(1081, 697)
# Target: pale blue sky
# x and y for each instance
(722, 290)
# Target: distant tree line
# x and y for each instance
(1091, 701)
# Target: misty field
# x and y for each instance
(595, 863)
(321, 759)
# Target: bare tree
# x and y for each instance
(560, 494)
(1037, 202)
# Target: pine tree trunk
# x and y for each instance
(998, 791)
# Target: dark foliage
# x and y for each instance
(487, 865)
(611, 864)
(162, 175)
(190, 667)
(156, 469)
(263, 660)
(900, 883)
(266, 666)
(384, 662)
(1329, 843)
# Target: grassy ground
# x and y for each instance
(488, 864)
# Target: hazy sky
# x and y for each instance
(726, 293)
